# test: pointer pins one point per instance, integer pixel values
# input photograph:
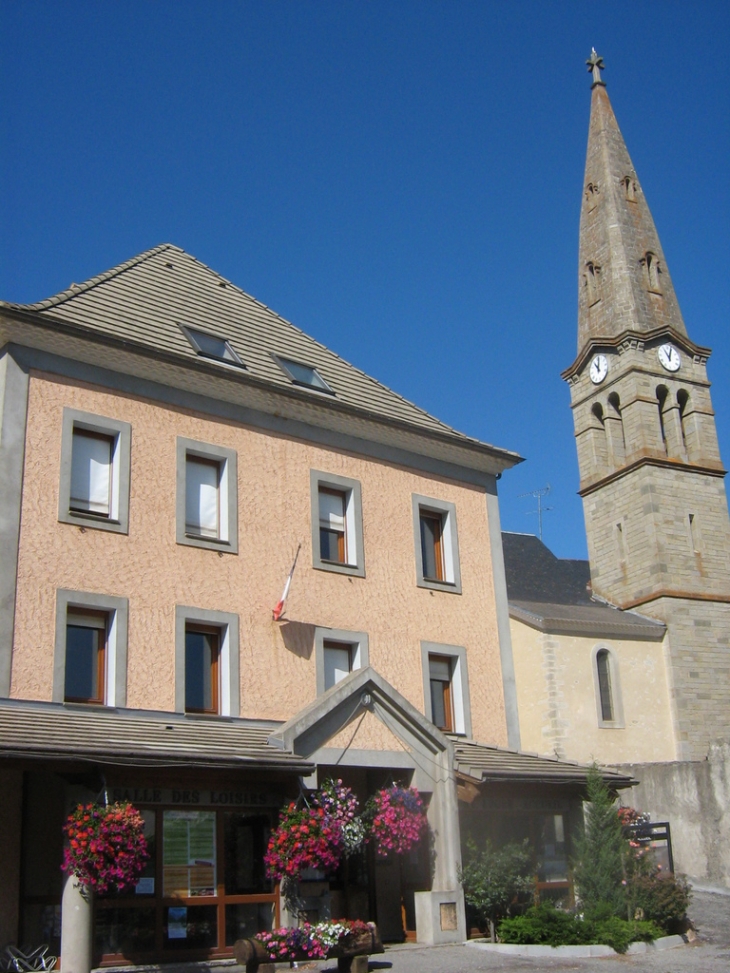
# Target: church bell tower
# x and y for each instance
(651, 477)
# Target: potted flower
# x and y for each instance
(106, 848)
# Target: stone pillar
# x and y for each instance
(77, 927)
(440, 913)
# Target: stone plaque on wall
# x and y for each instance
(448, 917)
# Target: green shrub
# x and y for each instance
(548, 926)
(494, 880)
(663, 899)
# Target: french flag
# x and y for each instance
(279, 610)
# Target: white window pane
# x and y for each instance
(336, 664)
(332, 511)
(201, 497)
(91, 472)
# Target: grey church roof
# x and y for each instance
(140, 306)
(554, 595)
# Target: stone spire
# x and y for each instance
(624, 283)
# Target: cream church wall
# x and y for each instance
(147, 566)
(557, 698)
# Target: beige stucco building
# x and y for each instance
(169, 449)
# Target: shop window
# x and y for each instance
(188, 854)
(436, 542)
(90, 657)
(446, 687)
(206, 662)
(337, 540)
(207, 502)
(338, 653)
(95, 464)
(203, 889)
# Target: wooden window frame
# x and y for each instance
(447, 691)
(119, 434)
(351, 648)
(353, 556)
(435, 518)
(342, 545)
(215, 675)
(218, 464)
(110, 439)
(101, 656)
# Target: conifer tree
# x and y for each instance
(601, 849)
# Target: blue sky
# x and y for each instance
(400, 179)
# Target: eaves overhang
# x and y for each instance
(590, 621)
(42, 331)
(64, 733)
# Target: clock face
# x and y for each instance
(669, 357)
(598, 369)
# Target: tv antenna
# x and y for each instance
(541, 508)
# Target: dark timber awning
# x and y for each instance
(54, 731)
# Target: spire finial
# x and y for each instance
(596, 65)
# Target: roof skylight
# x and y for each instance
(211, 345)
(303, 374)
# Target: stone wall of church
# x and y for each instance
(698, 647)
(694, 796)
(558, 700)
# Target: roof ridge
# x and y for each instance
(75, 289)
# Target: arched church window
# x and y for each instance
(591, 281)
(629, 184)
(652, 271)
(603, 666)
(597, 410)
(609, 708)
(662, 395)
(592, 191)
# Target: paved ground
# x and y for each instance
(710, 953)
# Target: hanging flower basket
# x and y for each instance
(397, 820)
(341, 805)
(305, 838)
(106, 849)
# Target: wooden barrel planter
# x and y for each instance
(252, 953)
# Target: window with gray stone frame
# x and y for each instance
(206, 509)
(227, 667)
(336, 515)
(337, 652)
(607, 686)
(442, 663)
(95, 469)
(436, 544)
(79, 609)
